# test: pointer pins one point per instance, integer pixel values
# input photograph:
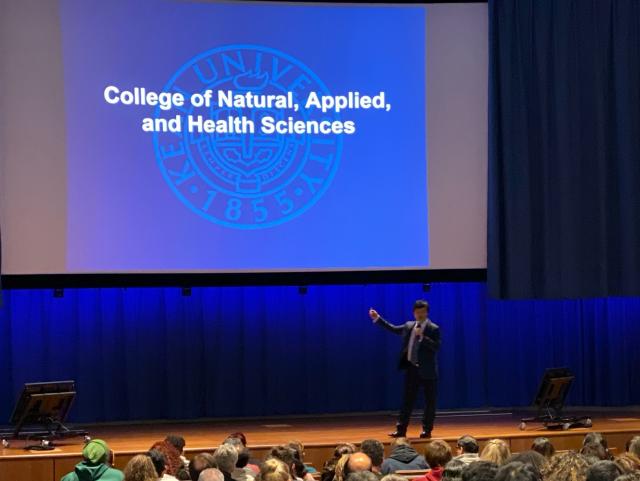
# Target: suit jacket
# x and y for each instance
(427, 347)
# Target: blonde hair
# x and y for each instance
(497, 451)
(341, 467)
(274, 470)
(140, 468)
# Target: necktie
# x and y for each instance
(412, 352)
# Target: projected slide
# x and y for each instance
(244, 137)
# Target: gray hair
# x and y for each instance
(394, 477)
(211, 474)
(634, 446)
(226, 457)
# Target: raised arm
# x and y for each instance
(375, 317)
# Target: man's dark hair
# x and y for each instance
(480, 471)
(543, 446)
(199, 463)
(437, 453)
(603, 471)
(243, 457)
(362, 476)
(421, 304)
(468, 444)
(374, 449)
(595, 450)
(176, 441)
(284, 453)
(159, 461)
(531, 458)
(517, 471)
(453, 470)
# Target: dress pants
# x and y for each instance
(412, 384)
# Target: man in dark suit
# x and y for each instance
(418, 357)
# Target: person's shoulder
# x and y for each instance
(114, 474)
(72, 476)
(433, 325)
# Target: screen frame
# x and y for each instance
(280, 278)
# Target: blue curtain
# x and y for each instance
(152, 353)
(564, 148)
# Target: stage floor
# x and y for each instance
(319, 434)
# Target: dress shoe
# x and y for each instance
(425, 435)
(398, 433)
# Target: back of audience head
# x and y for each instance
(594, 450)
(480, 471)
(375, 450)
(532, 458)
(173, 463)
(394, 477)
(401, 441)
(183, 474)
(634, 446)
(362, 476)
(344, 448)
(453, 470)
(518, 471)
(357, 462)
(340, 472)
(225, 457)
(140, 468)
(240, 436)
(243, 457)
(176, 441)
(287, 455)
(211, 474)
(628, 463)
(468, 445)
(235, 442)
(273, 469)
(199, 463)
(497, 451)
(437, 453)
(543, 446)
(158, 460)
(603, 471)
(629, 477)
(597, 438)
(97, 452)
(569, 466)
(299, 468)
(298, 447)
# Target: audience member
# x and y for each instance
(403, 457)
(497, 451)
(543, 446)
(467, 450)
(375, 450)
(95, 464)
